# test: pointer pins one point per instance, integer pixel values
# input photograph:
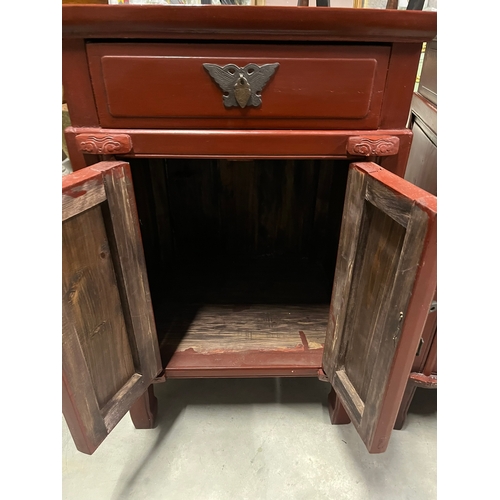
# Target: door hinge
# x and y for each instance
(433, 307)
(322, 375)
(420, 344)
(161, 377)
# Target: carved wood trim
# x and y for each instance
(106, 144)
(373, 146)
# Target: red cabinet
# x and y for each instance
(204, 239)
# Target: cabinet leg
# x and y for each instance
(338, 415)
(144, 410)
(405, 405)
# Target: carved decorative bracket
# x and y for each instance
(373, 146)
(104, 144)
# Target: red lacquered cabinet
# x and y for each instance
(238, 207)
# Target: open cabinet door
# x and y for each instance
(385, 279)
(109, 345)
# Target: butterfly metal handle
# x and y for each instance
(241, 86)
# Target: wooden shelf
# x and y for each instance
(234, 338)
(267, 318)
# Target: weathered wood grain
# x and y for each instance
(396, 208)
(90, 291)
(370, 341)
(390, 333)
(123, 400)
(374, 273)
(223, 328)
(110, 349)
(123, 227)
(343, 386)
(335, 342)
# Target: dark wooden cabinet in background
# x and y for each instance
(202, 240)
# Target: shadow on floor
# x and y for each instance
(175, 396)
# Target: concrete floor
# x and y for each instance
(253, 439)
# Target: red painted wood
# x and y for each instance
(366, 145)
(405, 405)
(246, 364)
(226, 22)
(400, 83)
(105, 143)
(78, 159)
(71, 184)
(76, 84)
(418, 307)
(144, 411)
(338, 415)
(422, 380)
(281, 134)
(397, 163)
(159, 85)
(423, 199)
(431, 362)
(240, 143)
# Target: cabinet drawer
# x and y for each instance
(162, 85)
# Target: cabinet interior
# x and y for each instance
(240, 257)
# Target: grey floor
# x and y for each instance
(253, 439)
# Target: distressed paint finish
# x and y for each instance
(216, 328)
(396, 34)
(109, 344)
(293, 362)
(372, 337)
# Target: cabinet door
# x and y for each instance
(110, 350)
(385, 280)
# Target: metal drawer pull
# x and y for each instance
(241, 86)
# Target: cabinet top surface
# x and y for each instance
(247, 23)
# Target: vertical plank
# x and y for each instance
(370, 293)
(348, 247)
(131, 267)
(88, 274)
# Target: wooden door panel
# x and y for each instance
(110, 349)
(384, 283)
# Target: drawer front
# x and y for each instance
(160, 85)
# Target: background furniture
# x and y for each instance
(422, 171)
